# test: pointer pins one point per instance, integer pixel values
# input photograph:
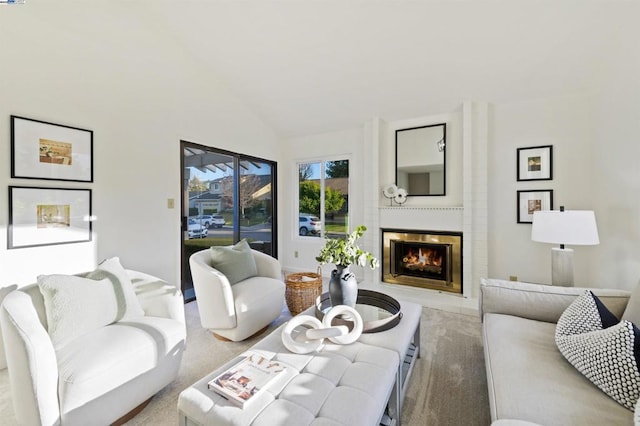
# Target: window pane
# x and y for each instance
(336, 198)
(211, 197)
(256, 204)
(309, 220)
(323, 198)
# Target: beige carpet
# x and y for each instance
(448, 385)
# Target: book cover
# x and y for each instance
(240, 383)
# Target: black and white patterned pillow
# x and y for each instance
(606, 351)
(586, 313)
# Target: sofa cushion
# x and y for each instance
(608, 355)
(235, 262)
(76, 305)
(528, 378)
(128, 304)
(101, 361)
(540, 302)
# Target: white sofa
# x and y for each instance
(529, 381)
(236, 312)
(101, 376)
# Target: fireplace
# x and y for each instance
(426, 259)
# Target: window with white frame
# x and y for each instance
(323, 198)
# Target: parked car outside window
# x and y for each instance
(309, 224)
(196, 230)
(217, 221)
(205, 220)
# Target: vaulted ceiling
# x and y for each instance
(314, 66)
(311, 66)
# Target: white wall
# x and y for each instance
(353, 143)
(107, 67)
(595, 155)
(616, 166)
(596, 137)
(372, 150)
(566, 123)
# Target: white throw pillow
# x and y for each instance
(128, 304)
(76, 305)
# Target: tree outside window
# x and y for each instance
(324, 194)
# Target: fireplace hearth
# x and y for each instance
(426, 259)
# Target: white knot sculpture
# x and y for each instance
(312, 339)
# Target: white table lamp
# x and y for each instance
(571, 227)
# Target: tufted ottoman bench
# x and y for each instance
(357, 384)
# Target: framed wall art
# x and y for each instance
(41, 150)
(46, 216)
(531, 201)
(535, 163)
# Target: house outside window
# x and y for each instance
(227, 197)
(323, 198)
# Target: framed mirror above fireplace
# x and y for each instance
(421, 160)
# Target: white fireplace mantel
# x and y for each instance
(423, 218)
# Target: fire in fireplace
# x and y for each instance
(427, 259)
(419, 259)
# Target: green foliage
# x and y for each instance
(309, 198)
(338, 169)
(345, 251)
(196, 185)
(333, 200)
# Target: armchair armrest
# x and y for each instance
(267, 265)
(33, 368)
(3, 292)
(215, 297)
(540, 302)
(157, 297)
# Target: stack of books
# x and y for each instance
(244, 380)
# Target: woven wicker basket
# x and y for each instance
(302, 290)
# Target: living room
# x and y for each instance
(288, 83)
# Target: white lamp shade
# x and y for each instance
(573, 227)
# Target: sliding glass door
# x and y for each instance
(226, 197)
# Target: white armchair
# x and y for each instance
(236, 312)
(99, 377)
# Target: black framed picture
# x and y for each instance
(531, 201)
(47, 216)
(535, 163)
(41, 150)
